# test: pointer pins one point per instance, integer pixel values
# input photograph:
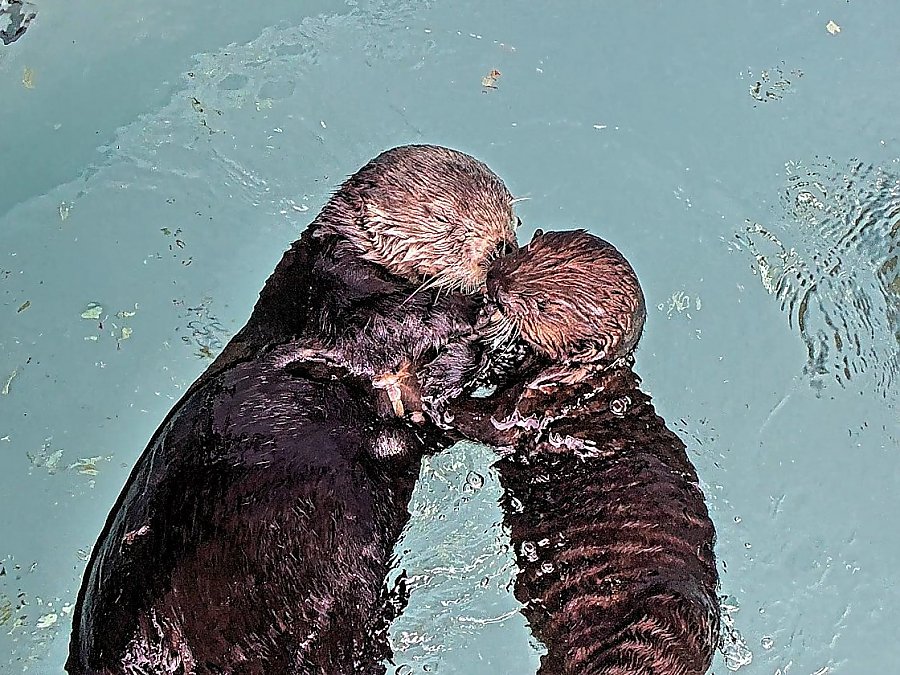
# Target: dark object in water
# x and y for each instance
(255, 532)
(609, 524)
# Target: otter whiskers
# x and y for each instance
(500, 331)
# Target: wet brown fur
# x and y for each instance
(570, 295)
(425, 213)
(609, 524)
(255, 531)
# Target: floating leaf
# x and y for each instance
(92, 311)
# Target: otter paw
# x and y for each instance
(391, 383)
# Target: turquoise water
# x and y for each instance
(158, 158)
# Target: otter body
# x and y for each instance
(256, 529)
(611, 532)
(609, 524)
(254, 534)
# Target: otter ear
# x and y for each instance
(538, 233)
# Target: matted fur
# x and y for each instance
(603, 507)
(571, 295)
(256, 530)
(425, 213)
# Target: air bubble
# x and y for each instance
(475, 480)
(620, 406)
(529, 551)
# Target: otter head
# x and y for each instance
(570, 295)
(425, 213)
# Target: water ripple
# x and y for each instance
(832, 263)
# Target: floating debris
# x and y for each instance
(199, 108)
(679, 303)
(47, 620)
(28, 78)
(127, 313)
(25, 305)
(772, 84)
(92, 311)
(126, 333)
(46, 459)
(12, 376)
(64, 209)
(832, 28)
(489, 81)
(87, 465)
(207, 332)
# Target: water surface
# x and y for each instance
(158, 158)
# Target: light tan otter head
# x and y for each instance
(572, 296)
(425, 213)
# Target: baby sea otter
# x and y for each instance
(610, 527)
(255, 531)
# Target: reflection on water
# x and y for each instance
(832, 263)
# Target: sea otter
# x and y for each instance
(255, 531)
(610, 528)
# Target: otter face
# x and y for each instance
(426, 213)
(572, 296)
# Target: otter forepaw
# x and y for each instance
(392, 384)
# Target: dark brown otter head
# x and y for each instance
(572, 296)
(425, 213)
